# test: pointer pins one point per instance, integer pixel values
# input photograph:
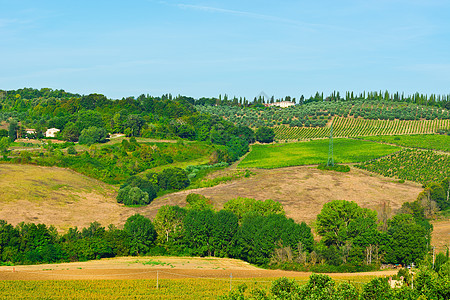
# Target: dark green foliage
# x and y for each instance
(132, 195)
(264, 135)
(93, 135)
(145, 185)
(198, 232)
(3, 133)
(408, 240)
(334, 219)
(12, 130)
(137, 191)
(71, 132)
(141, 233)
(376, 289)
(71, 150)
(259, 235)
(173, 179)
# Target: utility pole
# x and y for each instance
(434, 257)
(330, 161)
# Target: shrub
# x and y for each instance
(71, 150)
(132, 195)
(173, 179)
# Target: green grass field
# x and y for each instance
(314, 152)
(426, 141)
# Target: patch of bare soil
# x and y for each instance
(150, 267)
(304, 190)
(441, 235)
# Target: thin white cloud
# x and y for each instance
(303, 25)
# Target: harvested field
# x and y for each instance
(147, 267)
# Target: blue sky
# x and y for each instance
(207, 48)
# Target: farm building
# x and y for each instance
(51, 132)
(281, 104)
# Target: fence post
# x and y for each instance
(231, 278)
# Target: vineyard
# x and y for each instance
(351, 127)
(421, 166)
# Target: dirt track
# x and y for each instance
(151, 267)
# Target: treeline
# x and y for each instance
(442, 101)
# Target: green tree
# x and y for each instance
(197, 232)
(71, 132)
(12, 130)
(141, 233)
(169, 223)
(134, 124)
(334, 218)
(4, 144)
(173, 179)
(408, 240)
(93, 135)
(265, 134)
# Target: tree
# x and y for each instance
(408, 240)
(141, 233)
(132, 195)
(88, 118)
(12, 130)
(71, 132)
(4, 144)
(258, 236)
(197, 232)
(265, 135)
(93, 135)
(134, 123)
(334, 218)
(173, 179)
(169, 223)
(225, 226)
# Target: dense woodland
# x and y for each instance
(352, 238)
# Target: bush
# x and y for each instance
(173, 179)
(132, 195)
(71, 150)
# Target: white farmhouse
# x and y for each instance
(51, 132)
(280, 104)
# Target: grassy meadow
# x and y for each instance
(314, 152)
(424, 141)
